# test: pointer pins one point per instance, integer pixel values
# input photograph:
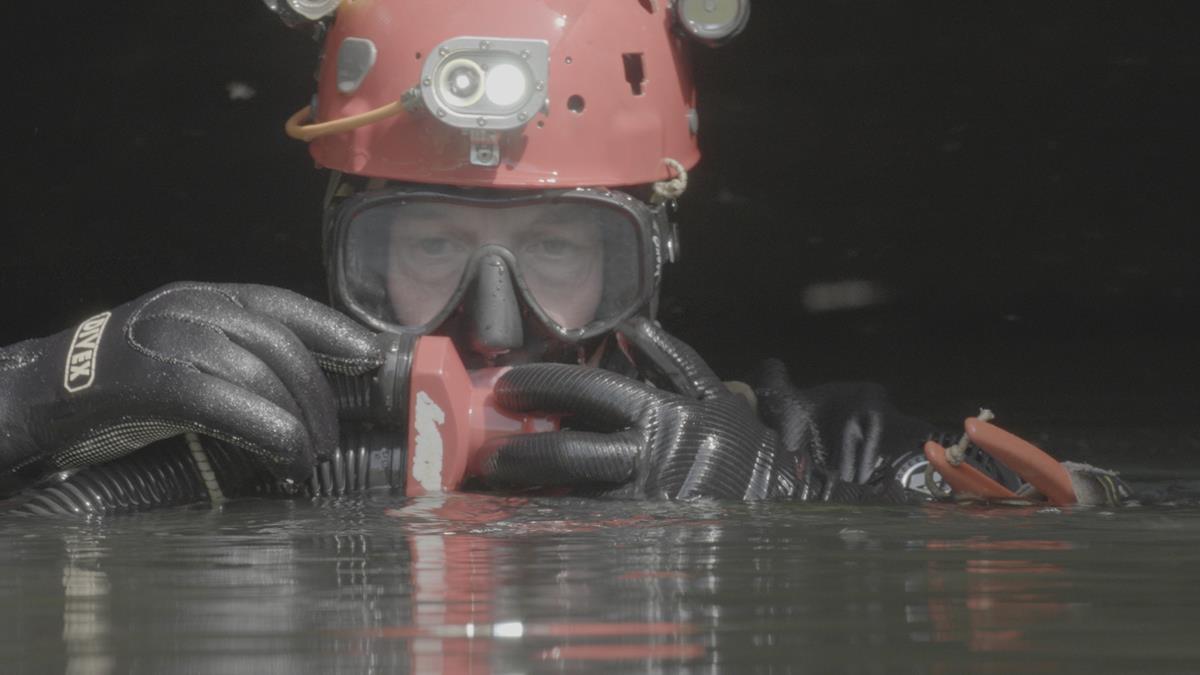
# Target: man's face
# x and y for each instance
(560, 258)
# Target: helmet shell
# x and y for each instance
(620, 136)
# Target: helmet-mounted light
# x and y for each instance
(713, 22)
(486, 83)
(483, 86)
(298, 12)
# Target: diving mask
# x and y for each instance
(581, 260)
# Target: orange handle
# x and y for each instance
(1038, 468)
(965, 478)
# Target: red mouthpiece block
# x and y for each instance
(452, 413)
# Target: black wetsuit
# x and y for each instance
(196, 392)
(856, 446)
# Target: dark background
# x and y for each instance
(1017, 176)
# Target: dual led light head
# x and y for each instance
(489, 84)
(486, 86)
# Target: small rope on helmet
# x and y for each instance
(673, 188)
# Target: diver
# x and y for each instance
(503, 175)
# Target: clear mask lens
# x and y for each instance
(578, 264)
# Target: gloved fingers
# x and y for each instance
(558, 459)
(282, 441)
(279, 348)
(784, 411)
(599, 399)
(673, 359)
(211, 352)
(725, 459)
(186, 401)
(341, 344)
(772, 378)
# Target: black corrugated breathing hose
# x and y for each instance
(190, 470)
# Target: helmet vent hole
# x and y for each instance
(635, 72)
(418, 56)
(647, 5)
(541, 124)
(576, 104)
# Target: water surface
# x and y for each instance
(480, 584)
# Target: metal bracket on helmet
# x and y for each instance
(485, 148)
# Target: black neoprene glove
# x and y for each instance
(696, 440)
(240, 363)
(857, 444)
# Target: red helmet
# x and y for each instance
(517, 94)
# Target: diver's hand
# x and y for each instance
(857, 447)
(241, 363)
(700, 440)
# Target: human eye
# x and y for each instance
(557, 259)
(435, 247)
(554, 248)
(434, 252)
(431, 256)
(430, 243)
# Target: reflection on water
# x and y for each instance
(475, 584)
(85, 607)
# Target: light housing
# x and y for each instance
(299, 12)
(713, 22)
(493, 84)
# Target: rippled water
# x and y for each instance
(470, 583)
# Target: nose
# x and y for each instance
(495, 312)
